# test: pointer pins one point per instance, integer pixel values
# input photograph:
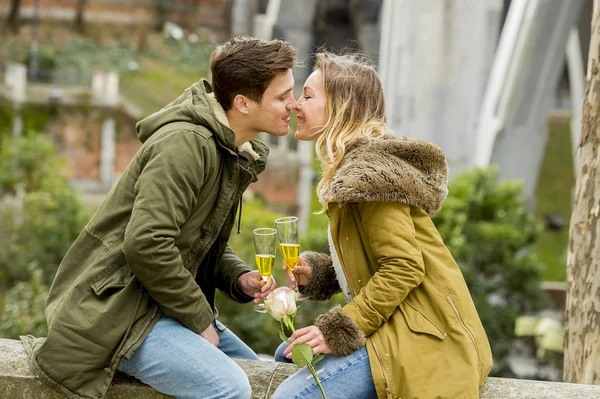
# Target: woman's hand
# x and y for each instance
(310, 335)
(301, 275)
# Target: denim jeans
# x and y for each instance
(341, 377)
(178, 362)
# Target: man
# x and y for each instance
(136, 290)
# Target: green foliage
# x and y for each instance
(34, 117)
(554, 194)
(490, 233)
(40, 214)
(22, 307)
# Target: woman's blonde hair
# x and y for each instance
(355, 109)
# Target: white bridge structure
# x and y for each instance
(477, 77)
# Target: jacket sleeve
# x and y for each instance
(171, 176)
(323, 284)
(230, 270)
(401, 265)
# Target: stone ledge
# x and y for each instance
(17, 382)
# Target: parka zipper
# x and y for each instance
(388, 391)
(140, 335)
(463, 324)
(387, 384)
(129, 326)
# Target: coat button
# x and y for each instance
(229, 177)
(359, 281)
(347, 238)
(202, 236)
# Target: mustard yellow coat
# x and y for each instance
(423, 334)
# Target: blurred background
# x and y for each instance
(498, 84)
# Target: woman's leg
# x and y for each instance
(278, 356)
(178, 362)
(341, 378)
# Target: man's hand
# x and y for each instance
(301, 275)
(310, 335)
(252, 285)
(211, 335)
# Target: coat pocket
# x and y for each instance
(112, 282)
(419, 323)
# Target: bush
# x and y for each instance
(40, 214)
(491, 235)
(22, 307)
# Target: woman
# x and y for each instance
(409, 328)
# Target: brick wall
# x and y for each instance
(77, 134)
(213, 14)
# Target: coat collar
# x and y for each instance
(392, 169)
(222, 117)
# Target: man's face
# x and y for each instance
(272, 114)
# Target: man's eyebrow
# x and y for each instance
(285, 92)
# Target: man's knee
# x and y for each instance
(239, 386)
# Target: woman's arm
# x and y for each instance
(322, 282)
(391, 237)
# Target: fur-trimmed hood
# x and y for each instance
(392, 169)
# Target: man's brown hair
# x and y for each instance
(246, 65)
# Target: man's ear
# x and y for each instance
(241, 103)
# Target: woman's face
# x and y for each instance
(312, 108)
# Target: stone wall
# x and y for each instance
(18, 382)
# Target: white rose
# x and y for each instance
(281, 302)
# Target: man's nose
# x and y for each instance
(293, 105)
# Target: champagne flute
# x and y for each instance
(287, 232)
(264, 248)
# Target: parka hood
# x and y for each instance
(199, 106)
(392, 169)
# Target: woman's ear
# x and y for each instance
(241, 103)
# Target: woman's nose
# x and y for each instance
(293, 105)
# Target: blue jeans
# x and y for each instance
(341, 378)
(178, 362)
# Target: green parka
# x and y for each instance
(156, 245)
(410, 304)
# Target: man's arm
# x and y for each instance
(230, 270)
(171, 177)
(239, 282)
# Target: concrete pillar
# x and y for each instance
(98, 84)
(576, 70)
(434, 60)
(512, 129)
(107, 157)
(112, 88)
(15, 79)
(263, 23)
(242, 13)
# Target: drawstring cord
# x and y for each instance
(240, 216)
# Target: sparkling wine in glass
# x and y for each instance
(264, 249)
(287, 232)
